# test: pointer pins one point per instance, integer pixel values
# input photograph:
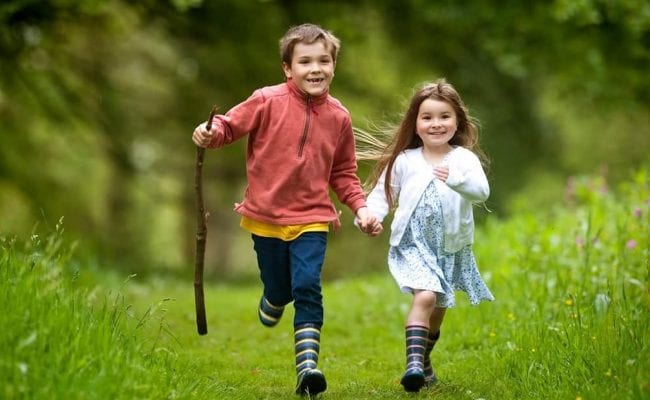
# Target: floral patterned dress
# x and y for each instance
(420, 262)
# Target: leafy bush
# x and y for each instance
(574, 292)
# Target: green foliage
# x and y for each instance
(575, 301)
(98, 98)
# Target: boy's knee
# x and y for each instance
(306, 287)
(279, 299)
(277, 291)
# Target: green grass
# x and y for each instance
(60, 341)
(571, 321)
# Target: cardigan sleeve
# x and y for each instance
(466, 176)
(377, 200)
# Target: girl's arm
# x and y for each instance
(377, 200)
(466, 176)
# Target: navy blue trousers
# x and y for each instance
(291, 271)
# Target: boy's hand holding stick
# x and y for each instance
(201, 235)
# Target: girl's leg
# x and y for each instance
(435, 321)
(417, 331)
(422, 308)
(274, 263)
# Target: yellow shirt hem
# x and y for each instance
(283, 232)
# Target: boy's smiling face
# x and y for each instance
(312, 67)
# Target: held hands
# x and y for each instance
(441, 172)
(367, 223)
(201, 136)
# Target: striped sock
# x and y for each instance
(269, 314)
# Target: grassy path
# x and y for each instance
(571, 319)
(362, 346)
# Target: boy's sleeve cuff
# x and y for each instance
(356, 205)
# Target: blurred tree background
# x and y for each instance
(98, 100)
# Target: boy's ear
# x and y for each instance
(287, 70)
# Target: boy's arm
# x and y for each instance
(345, 183)
(343, 177)
(240, 120)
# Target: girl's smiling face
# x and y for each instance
(436, 123)
(312, 67)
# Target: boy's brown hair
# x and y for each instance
(307, 33)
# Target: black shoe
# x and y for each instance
(311, 382)
(430, 380)
(413, 380)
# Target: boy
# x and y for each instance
(300, 144)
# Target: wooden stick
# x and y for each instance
(201, 236)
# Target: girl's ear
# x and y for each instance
(287, 70)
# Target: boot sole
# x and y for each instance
(311, 383)
(430, 380)
(412, 382)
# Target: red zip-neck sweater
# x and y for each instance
(299, 146)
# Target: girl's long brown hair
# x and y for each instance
(384, 146)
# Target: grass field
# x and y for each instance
(571, 321)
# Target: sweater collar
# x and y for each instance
(304, 97)
(419, 151)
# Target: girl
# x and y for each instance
(432, 170)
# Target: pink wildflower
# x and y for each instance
(637, 212)
(603, 189)
(631, 244)
(570, 190)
